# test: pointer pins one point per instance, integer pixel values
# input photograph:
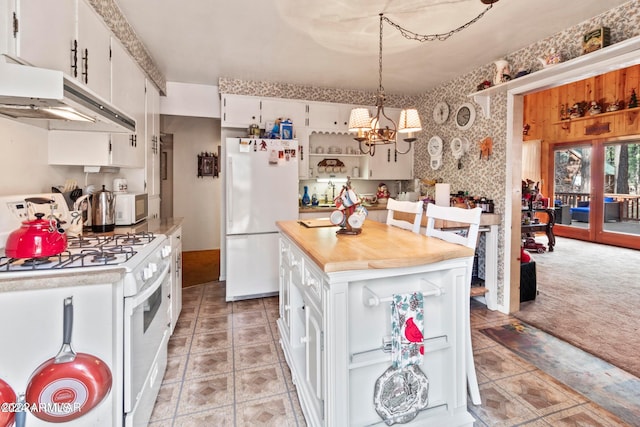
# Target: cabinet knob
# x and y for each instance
(304, 340)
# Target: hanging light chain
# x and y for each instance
(381, 89)
(429, 37)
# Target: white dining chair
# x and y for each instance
(465, 232)
(411, 208)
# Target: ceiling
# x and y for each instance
(334, 43)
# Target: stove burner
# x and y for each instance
(103, 257)
(30, 262)
(78, 242)
(130, 240)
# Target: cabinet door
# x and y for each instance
(94, 55)
(79, 148)
(176, 276)
(240, 111)
(46, 31)
(324, 116)
(128, 93)
(152, 139)
(271, 109)
(313, 342)
(303, 154)
(388, 164)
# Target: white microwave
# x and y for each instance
(131, 208)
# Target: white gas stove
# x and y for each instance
(141, 254)
(126, 323)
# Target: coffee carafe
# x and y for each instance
(103, 211)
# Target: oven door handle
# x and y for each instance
(146, 292)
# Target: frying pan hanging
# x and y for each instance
(76, 382)
(8, 396)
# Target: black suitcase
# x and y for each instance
(528, 286)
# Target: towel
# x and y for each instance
(407, 323)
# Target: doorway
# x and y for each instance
(595, 186)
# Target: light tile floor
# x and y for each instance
(226, 368)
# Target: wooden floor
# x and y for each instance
(200, 267)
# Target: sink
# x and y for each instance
(326, 205)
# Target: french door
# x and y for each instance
(596, 191)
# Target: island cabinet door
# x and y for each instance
(369, 326)
(313, 342)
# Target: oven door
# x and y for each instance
(146, 328)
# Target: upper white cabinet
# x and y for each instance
(329, 116)
(94, 50)
(387, 164)
(128, 93)
(79, 148)
(240, 111)
(272, 109)
(43, 32)
(63, 35)
(152, 138)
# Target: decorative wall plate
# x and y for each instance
(441, 112)
(465, 116)
(399, 394)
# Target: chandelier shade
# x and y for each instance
(409, 121)
(359, 119)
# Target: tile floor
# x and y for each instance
(226, 368)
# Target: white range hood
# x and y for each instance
(50, 99)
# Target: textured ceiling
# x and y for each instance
(334, 43)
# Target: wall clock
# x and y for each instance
(435, 151)
(441, 112)
(465, 116)
(435, 146)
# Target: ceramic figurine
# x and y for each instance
(552, 58)
(633, 102)
(503, 74)
(575, 111)
(614, 106)
(594, 109)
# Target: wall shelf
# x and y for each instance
(597, 116)
(620, 55)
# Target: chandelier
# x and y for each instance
(381, 129)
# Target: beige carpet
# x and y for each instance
(589, 296)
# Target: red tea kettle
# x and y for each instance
(37, 238)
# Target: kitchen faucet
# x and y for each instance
(333, 190)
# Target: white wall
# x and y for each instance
(23, 161)
(197, 200)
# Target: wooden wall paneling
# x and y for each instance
(632, 80)
(550, 106)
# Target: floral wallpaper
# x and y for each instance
(118, 24)
(481, 177)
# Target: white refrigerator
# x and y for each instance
(261, 187)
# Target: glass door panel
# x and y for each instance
(621, 182)
(572, 185)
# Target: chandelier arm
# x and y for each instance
(428, 37)
(402, 152)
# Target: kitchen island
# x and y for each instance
(335, 319)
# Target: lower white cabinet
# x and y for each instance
(332, 327)
(175, 239)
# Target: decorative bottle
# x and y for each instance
(306, 200)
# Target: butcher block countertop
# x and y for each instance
(377, 246)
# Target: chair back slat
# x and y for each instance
(468, 219)
(414, 208)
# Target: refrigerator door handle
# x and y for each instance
(230, 193)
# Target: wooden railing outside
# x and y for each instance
(629, 203)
